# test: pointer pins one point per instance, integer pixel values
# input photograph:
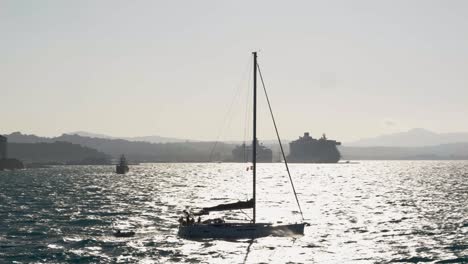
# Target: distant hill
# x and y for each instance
(150, 139)
(17, 137)
(140, 151)
(154, 152)
(157, 139)
(89, 134)
(57, 152)
(416, 137)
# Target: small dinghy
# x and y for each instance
(124, 234)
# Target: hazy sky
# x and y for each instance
(351, 69)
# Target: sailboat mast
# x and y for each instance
(254, 141)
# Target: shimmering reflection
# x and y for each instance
(367, 212)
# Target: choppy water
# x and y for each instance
(364, 213)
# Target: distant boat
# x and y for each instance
(122, 167)
(218, 228)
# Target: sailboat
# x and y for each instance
(218, 228)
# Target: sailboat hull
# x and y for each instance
(239, 230)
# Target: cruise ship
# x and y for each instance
(307, 149)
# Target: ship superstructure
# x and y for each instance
(307, 149)
(243, 153)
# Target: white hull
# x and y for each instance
(239, 230)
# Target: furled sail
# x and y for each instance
(229, 206)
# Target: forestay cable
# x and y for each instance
(279, 141)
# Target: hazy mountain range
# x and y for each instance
(417, 137)
(414, 144)
(139, 151)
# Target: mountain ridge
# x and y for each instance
(150, 139)
(416, 137)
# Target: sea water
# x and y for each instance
(368, 212)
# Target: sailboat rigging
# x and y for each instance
(218, 228)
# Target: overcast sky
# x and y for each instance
(351, 69)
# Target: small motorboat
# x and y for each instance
(119, 233)
(122, 167)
